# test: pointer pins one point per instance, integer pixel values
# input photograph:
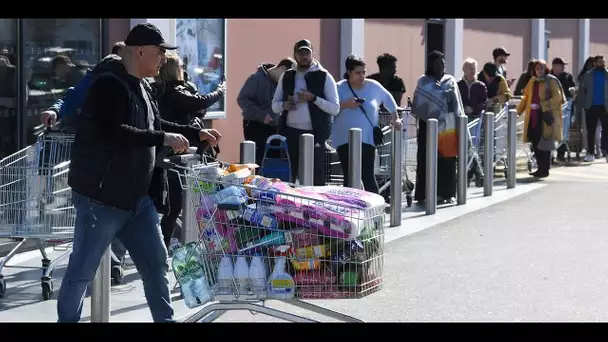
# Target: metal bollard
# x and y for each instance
(247, 152)
(431, 166)
(396, 175)
(488, 154)
(354, 158)
(306, 159)
(100, 296)
(463, 158)
(512, 149)
(189, 228)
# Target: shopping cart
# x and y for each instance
(569, 142)
(477, 133)
(257, 246)
(383, 162)
(36, 203)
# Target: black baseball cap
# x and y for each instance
(559, 60)
(500, 52)
(147, 34)
(303, 44)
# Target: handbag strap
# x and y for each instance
(360, 105)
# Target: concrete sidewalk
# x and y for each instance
(23, 301)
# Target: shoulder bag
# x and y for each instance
(378, 134)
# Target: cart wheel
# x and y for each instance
(529, 166)
(408, 199)
(2, 287)
(117, 275)
(479, 182)
(506, 173)
(569, 158)
(47, 288)
(45, 265)
(578, 157)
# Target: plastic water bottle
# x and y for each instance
(175, 244)
(202, 290)
(187, 286)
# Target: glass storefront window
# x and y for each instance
(8, 87)
(202, 48)
(56, 55)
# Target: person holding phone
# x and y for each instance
(306, 98)
(360, 101)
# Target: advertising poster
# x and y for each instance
(201, 47)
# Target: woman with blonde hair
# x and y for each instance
(177, 100)
(542, 106)
(179, 103)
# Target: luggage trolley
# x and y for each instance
(243, 225)
(276, 162)
(36, 201)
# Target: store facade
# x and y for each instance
(234, 48)
(27, 47)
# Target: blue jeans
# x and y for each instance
(96, 226)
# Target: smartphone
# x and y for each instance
(359, 100)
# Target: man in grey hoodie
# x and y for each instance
(255, 100)
(307, 99)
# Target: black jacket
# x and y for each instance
(179, 104)
(567, 82)
(114, 149)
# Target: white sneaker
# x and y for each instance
(589, 158)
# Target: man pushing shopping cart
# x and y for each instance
(113, 178)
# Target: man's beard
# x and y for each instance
(304, 66)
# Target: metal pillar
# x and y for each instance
(488, 154)
(396, 175)
(463, 158)
(307, 160)
(189, 228)
(354, 158)
(511, 149)
(100, 296)
(431, 166)
(247, 152)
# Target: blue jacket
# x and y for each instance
(73, 99)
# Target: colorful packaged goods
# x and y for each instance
(283, 242)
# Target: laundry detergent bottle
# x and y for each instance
(280, 283)
(257, 276)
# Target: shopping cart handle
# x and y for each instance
(165, 159)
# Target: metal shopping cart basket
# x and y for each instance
(383, 162)
(258, 245)
(476, 152)
(36, 201)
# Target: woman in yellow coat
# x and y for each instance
(542, 106)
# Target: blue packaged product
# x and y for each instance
(260, 218)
